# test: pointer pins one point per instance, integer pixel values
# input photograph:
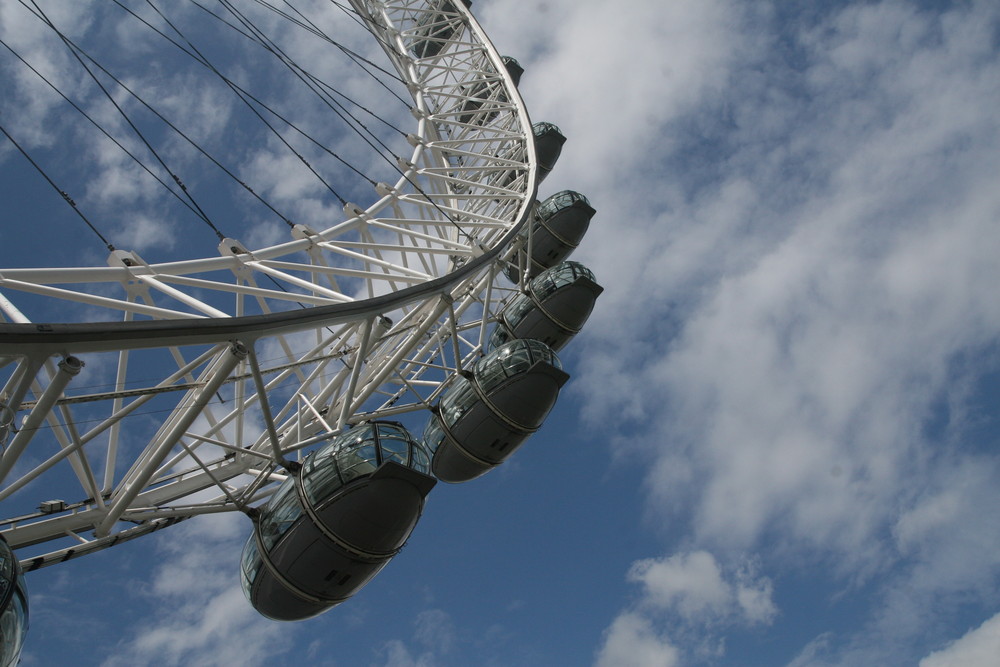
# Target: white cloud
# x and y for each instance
(201, 616)
(686, 600)
(434, 632)
(754, 595)
(803, 373)
(692, 583)
(978, 648)
(790, 294)
(631, 641)
(623, 73)
(140, 232)
(693, 586)
(25, 92)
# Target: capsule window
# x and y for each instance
(394, 449)
(458, 401)
(357, 463)
(433, 434)
(510, 359)
(251, 564)
(420, 460)
(319, 481)
(14, 619)
(282, 511)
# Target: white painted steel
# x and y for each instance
(421, 263)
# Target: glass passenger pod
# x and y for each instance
(435, 27)
(553, 309)
(513, 68)
(480, 92)
(13, 607)
(482, 419)
(549, 141)
(560, 223)
(333, 525)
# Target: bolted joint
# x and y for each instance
(71, 365)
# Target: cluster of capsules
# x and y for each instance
(339, 518)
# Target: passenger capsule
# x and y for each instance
(335, 523)
(487, 415)
(548, 145)
(554, 308)
(513, 68)
(481, 91)
(436, 27)
(559, 225)
(13, 607)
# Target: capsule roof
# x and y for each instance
(511, 359)
(542, 128)
(358, 452)
(561, 201)
(513, 68)
(373, 444)
(548, 145)
(566, 273)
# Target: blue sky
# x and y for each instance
(779, 444)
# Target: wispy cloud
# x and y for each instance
(980, 646)
(793, 278)
(201, 616)
(686, 600)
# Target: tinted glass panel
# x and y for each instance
(281, 513)
(559, 201)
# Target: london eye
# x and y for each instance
(320, 376)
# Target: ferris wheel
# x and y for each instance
(282, 380)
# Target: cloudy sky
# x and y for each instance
(779, 445)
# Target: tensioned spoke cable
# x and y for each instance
(174, 128)
(313, 82)
(74, 48)
(69, 45)
(308, 25)
(323, 84)
(353, 55)
(254, 110)
(354, 16)
(290, 63)
(232, 84)
(66, 197)
(250, 26)
(100, 128)
(305, 77)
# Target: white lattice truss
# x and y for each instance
(373, 318)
